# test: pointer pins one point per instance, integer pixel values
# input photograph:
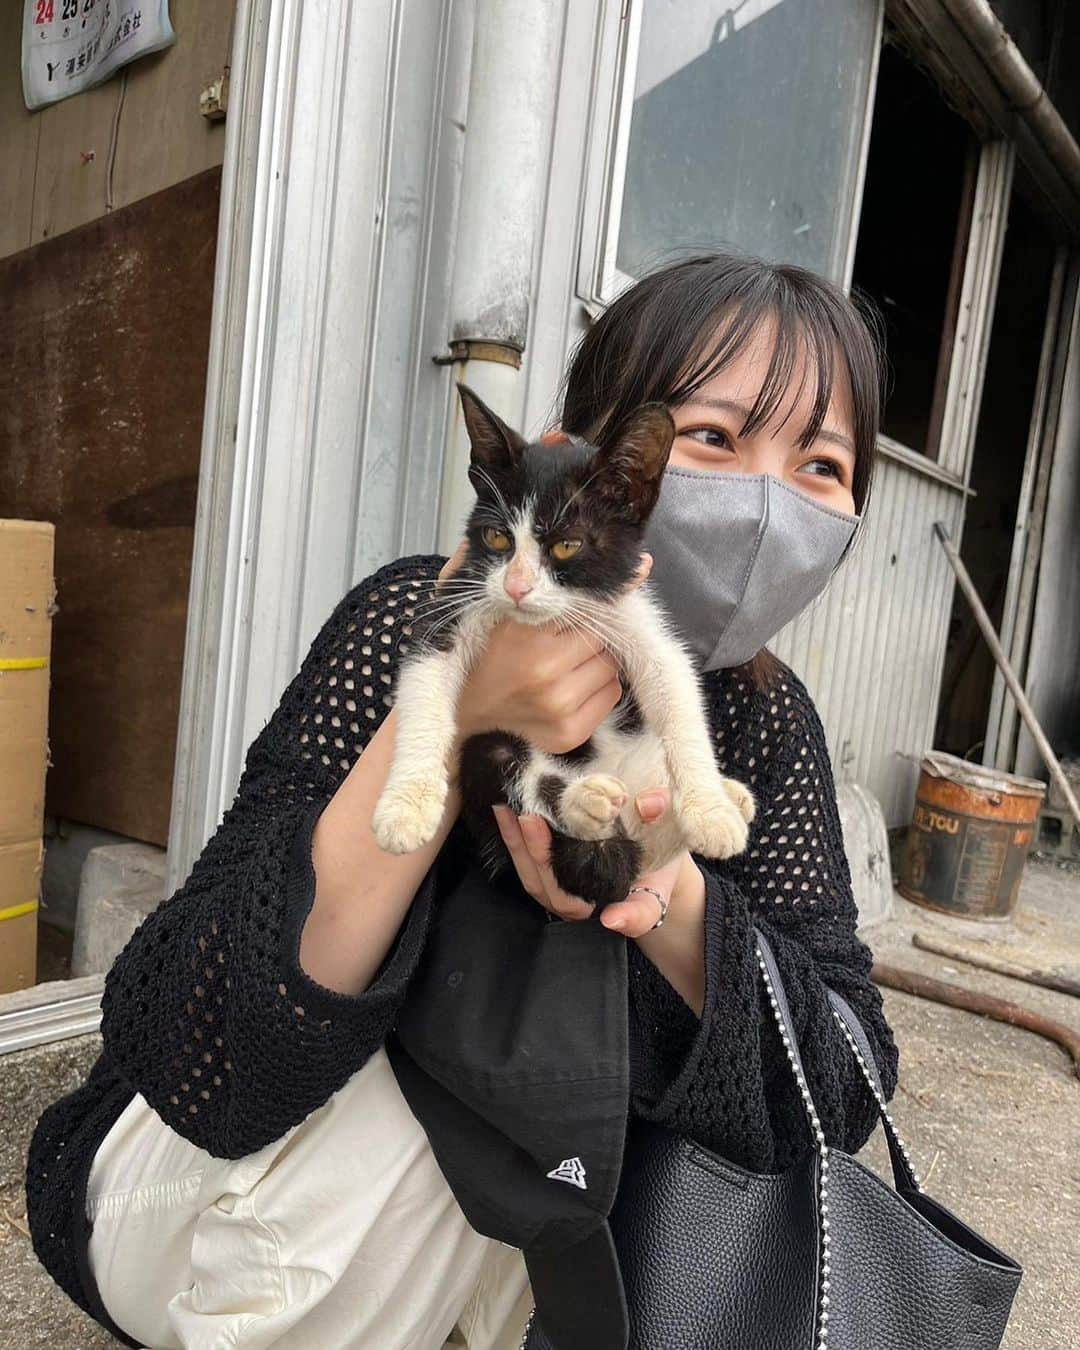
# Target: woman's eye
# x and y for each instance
(496, 540)
(823, 468)
(714, 437)
(565, 548)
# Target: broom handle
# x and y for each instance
(1027, 712)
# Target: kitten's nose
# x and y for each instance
(517, 586)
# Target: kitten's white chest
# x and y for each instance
(637, 757)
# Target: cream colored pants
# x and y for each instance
(342, 1235)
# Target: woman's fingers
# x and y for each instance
(644, 567)
(560, 651)
(652, 803)
(637, 914)
(454, 561)
(593, 711)
(634, 916)
(578, 686)
(527, 871)
(537, 836)
(528, 841)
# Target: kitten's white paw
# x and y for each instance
(741, 797)
(408, 813)
(711, 823)
(590, 806)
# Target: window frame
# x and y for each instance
(599, 280)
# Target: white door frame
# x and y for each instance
(323, 440)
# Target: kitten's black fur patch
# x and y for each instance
(627, 714)
(581, 754)
(551, 788)
(490, 767)
(599, 871)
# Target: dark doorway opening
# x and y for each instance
(1001, 447)
(913, 233)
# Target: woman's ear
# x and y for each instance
(494, 444)
(632, 460)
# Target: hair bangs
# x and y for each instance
(802, 341)
(677, 327)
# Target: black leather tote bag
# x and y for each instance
(824, 1256)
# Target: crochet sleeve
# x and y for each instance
(206, 1011)
(724, 1080)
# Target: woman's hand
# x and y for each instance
(551, 687)
(528, 841)
(677, 949)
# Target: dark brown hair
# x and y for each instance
(679, 325)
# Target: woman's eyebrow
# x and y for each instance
(741, 410)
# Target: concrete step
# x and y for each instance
(120, 885)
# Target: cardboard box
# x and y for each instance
(27, 604)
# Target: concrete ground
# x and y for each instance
(990, 1115)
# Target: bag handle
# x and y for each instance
(904, 1175)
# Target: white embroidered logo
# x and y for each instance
(571, 1170)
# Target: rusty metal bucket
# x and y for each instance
(969, 838)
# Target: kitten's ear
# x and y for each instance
(494, 444)
(633, 458)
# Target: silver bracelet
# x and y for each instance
(659, 897)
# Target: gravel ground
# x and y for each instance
(34, 1312)
(990, 1114)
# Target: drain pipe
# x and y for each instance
(512, 91)
(1026, 95)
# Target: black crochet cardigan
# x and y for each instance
(208, 1014)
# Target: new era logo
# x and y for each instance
(571, 1170)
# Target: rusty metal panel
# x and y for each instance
(102, 371)
(870, 649)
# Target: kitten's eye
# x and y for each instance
(565, 548)
(496, 540)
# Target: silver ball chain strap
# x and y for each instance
(787, 1038)
(873, 1084)
(821, 1327)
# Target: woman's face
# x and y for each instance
(707, 429)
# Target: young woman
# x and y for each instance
(241, 1168)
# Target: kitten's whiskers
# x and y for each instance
(487, 478)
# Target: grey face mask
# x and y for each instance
(737, 556)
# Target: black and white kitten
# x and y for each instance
(561, 527)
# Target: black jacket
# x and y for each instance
(208, 1014)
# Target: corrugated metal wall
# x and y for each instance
(870, 649)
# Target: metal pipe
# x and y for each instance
(1021, 86)
(1015, 688)
(512, 87)
(513, 84)
(972, 955)
(985, 1005)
